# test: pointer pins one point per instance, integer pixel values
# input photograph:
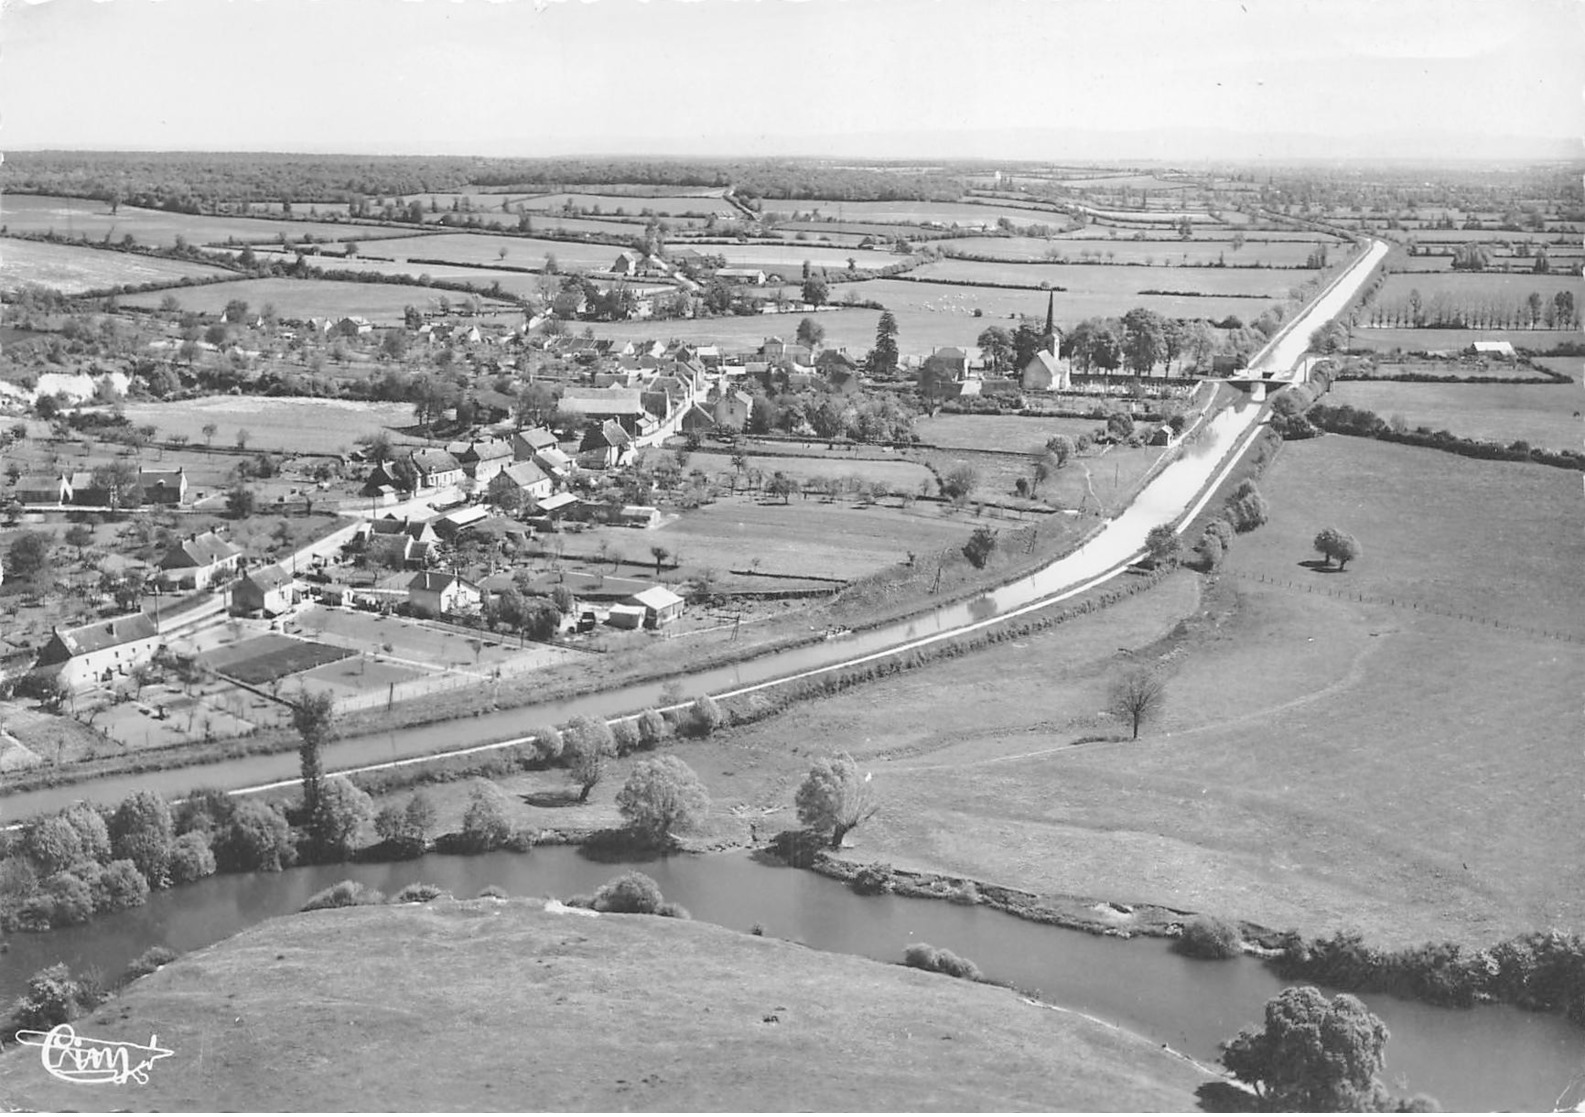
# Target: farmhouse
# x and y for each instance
(751, 276)
(605, 446)
(954, 360)
(163, 486)
(661, 606)
(94, 652)
(696, 420)
(199, 562)
(482, 460)
(267, 589)
(526, 444)
(604, 403)
(41, 488)
(86, 492)
(732, 409)
(452, 523)
(1501, 349)
(438, 593)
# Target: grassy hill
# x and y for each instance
(488, 1005)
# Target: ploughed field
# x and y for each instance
(293, 424)
(76, 217)
(381, 303)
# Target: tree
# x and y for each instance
(141, 832)
(340, 814)
(485, 824)
(1471, 256)
(1564, 302)
(883, 358)
(980, 547)
(834, 796)
(997, 345)
(935, 382)
(1313, 1055)
(587, 743)
(120, 482)
(255, 839)
(782, 485)
(29, 553)
(660, 796)
(1137, 697)
(241, 502)
(210, 430)
(1163, 545)
(810, 332)
(959, 483)
(661, 554)
(1144, 340)
(815, 291)
(1338, 546)
(313, 716)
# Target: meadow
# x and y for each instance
(301, 299)
(72, 270)
(1169, 252)
(282, 423)
(1320, 762)
(913, 213)
(1471, 288)
(484, 250)
(788, 257)
(664, 206)
(1118, 282)
(1415, 341)
(39, 213)
(518, 283)
(1540, 414)
(852, 328)
(996, 432)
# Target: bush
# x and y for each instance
(484, 823)
(347, 894)
(1246, 508)
(872, 880)
(54, 997)
(965, 893)
(1209, 553)
(52, 844)
(625, 734)
(651, 729)
(149, 961)
(92, 832)
(581, 900)
(705, 716)
(548, 743)
(340, 814)
(673, 911)
(662, 794)
(923, 956)
(71, 901)
(1205, 936)
(120, 886)
(206, 809)
(257, 839)
(191, 858)
(630, 893)
(492, 892)
(419, 894)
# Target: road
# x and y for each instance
(1175, 495)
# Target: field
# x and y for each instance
(1540, 414)
(301, 299)
(787, 258)
(37, 213)
(484, 250)
(852, 328)
(1118, 282)
(72, 270)
(664, 206)
(295, 425)
(1175, 252)
(1416, 341)
(915, 213)
(825, 464)
(1470, 289)
(321, 1012)
(996, 432)
(1320, 763)
(264, 659)
(805, 537)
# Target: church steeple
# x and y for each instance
(1050, 336)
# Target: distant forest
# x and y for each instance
(189, 182)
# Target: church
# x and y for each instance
(1046, 371)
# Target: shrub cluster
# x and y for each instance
(346, 894)
(65, 868)
(632, 893)
(1543, 971)
(1206, 936)
(54, 997)
(149, 961)
(872, 880)
(923, 956)
(419, 893)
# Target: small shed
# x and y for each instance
(626, 616)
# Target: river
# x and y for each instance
(1492, 1057)
(1169, 495)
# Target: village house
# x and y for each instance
(696, 420)
(483, 459)
(86, 492)
(163, 486)
(97, 651)
(527, 443)
(733, 409)
(954, 360)
(661, 606)
(199, 562)
(43, 488)
(523, 480)
(397, 543)
(270, 590)
(436, 468)
(605, 446)
(624, 405)
(438, 593)
(752, 277)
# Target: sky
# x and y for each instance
(1036, 79)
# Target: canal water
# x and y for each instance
(1492, 1057)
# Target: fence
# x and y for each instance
(1413, 606)
(438, 683)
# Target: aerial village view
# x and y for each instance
(521, 591)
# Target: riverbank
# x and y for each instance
(409, 1007)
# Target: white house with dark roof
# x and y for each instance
(44, 488)
(524, 479)
(440, 593)
(92, 652)
(163, 486)
(436, 468)
(526, 444)
(265, 589)
(199, 562)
